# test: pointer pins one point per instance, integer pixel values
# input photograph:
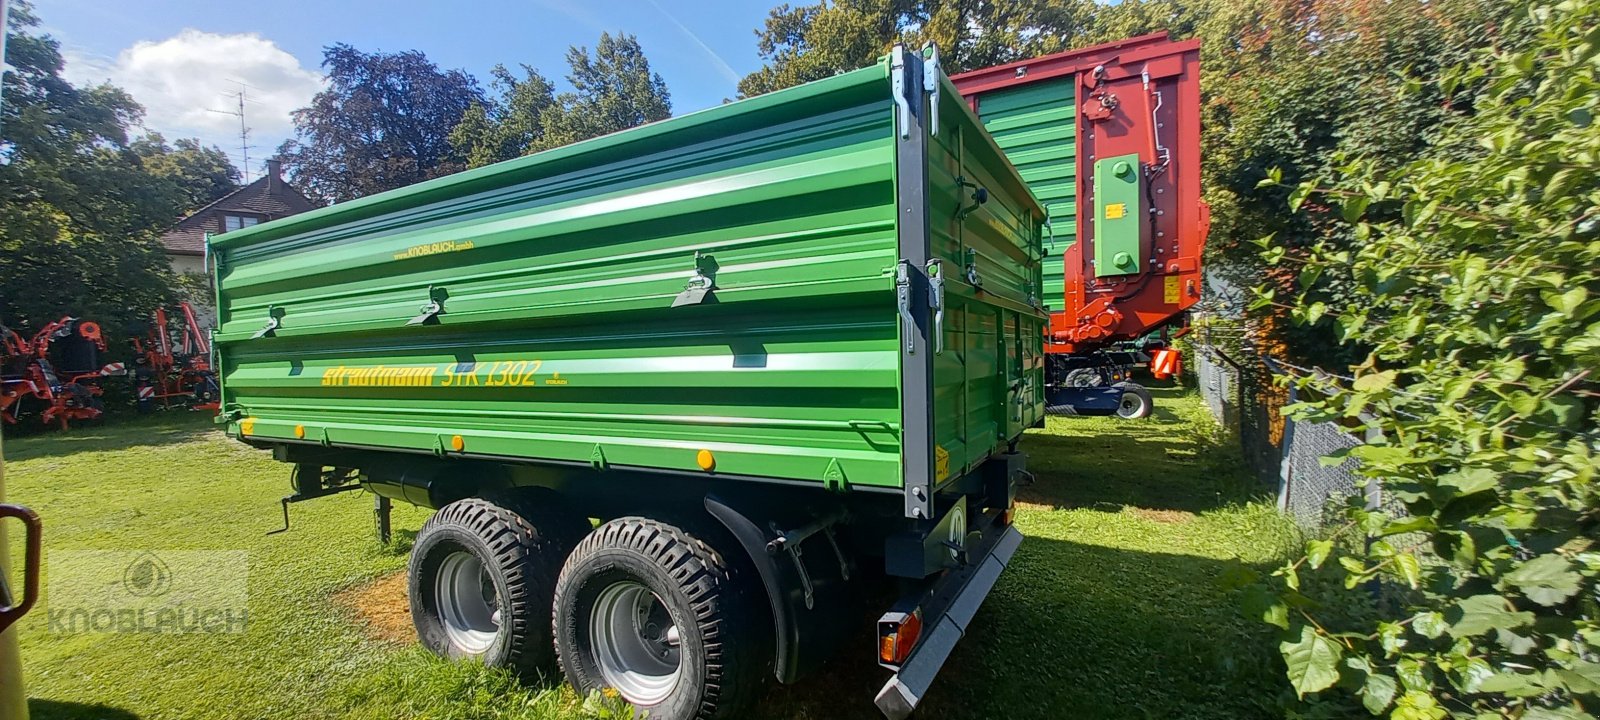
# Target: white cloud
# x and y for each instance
(182, 79)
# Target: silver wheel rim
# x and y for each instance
(1130, 405)
(468, 603)
(635, 643)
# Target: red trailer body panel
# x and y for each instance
(1059, 117)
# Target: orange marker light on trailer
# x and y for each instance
(705, 460)
(300, 431)
(247, 426)
(457, 443)
(896, 639)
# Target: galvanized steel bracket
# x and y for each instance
(702, 284)
(434, 308)
(930, 83)
(274, 321)
(936, 302)
(899, 68)
(902, 291)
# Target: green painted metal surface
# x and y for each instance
(556, 276)
(1034, 125)
(1119, 212)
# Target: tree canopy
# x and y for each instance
(383, 122)
(80, 205)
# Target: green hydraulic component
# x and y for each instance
(1119, 216)
(715, 293)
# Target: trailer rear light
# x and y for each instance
(897, 638)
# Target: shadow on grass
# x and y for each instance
(1164, 462)
(61, 710)
(1076, 631)
(118, 433)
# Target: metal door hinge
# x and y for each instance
(930, 84)
(902, 291)
(936, 302)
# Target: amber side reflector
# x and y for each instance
(247, 426)
(457, 443)
(300, 431)
(895, 640)
(705, 460)
(1007, 515)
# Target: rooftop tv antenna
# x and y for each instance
(244, 130)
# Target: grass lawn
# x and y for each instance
(1111, 608)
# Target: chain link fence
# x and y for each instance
(1282, 452)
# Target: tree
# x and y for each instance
(199, 174)
(80, 208)
(811, 42)
(384, 122)
(1473, 288)
(613, 90)
(509, 125)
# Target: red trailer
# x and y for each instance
(1108, 138)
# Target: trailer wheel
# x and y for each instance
(481, 578)
(652, 612)
(1135, 403)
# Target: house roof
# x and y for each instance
(269, 198)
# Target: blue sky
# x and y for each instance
(180, 58)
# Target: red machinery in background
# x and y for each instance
(54, 373)
(167, 373)
(1108, 138)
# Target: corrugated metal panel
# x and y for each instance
(558, 338)
(557, 274)
(1034, 125)
(989, 379)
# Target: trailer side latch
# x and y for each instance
(701, 284)
(435, 307)
(274, 321)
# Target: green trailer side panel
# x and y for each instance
(558, 273)
(989, 379)
(1119, 215)
(531, 309)
(1033, 125)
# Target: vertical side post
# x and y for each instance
(916, 350)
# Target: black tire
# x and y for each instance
(519, 546)
(719, 668)
(1135, 403)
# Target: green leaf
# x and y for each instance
(1392, 636)
(1566, 303)
(1548, 579)
(1469, 481)
(1317, 552)
(1429, 624)
(1299, 195)
(1373, 382)
(1407, 568)
(1313, 661)
(1355, 207)
(1479, 614)
(1417, 705)
(1513, 684)
(1378, 693)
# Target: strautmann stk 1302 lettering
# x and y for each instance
(677, 393)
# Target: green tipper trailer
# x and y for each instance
(807, 321)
